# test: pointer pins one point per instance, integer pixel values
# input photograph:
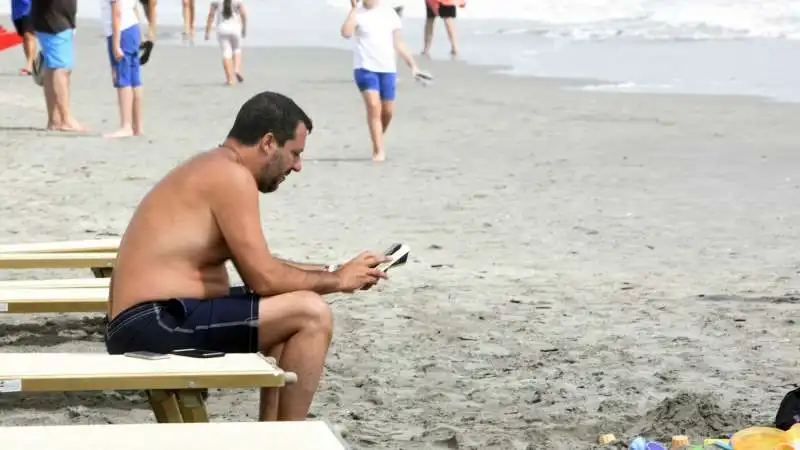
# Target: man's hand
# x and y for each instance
(118, 55)
(360, 272)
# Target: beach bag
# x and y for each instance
(788, 411)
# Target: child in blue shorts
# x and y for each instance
(123, 40)
(376, 28)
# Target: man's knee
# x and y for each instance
(317, 311)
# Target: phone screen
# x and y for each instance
(197, 353)
(146, 355)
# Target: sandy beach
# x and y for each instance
(582, 263)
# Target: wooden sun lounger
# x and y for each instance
(66, 283)
(173, 384)
(306, 435)
(101, 263)
(88, 246)
(48, 300)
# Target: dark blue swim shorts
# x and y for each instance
(226, 324)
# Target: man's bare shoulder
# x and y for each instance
(219, 174)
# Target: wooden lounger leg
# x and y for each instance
(192, 405)
(165, 406)
(102, 272)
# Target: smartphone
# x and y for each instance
(197, 353)
(146, 355)
(399, 254)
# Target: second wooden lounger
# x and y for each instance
(305, 435)
(173, 384)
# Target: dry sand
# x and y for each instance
(582, 262)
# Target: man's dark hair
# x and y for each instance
(268, 112)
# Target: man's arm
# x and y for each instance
(400, 48)
(116, 18)
(234, 203)
(151, 20)
(306, 266)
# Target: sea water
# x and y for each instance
(740, 47)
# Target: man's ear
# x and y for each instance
(268, 144)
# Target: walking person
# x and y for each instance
(446, 10)
(231, 24)
(20, 15)
(123, 38)
(377, 30)
(54, 24)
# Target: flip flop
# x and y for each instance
(146, 48)
(424, 78)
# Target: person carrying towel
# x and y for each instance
(231, 22)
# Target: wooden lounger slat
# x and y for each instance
(53, 300)
(110, 245)
(56, 283)
(64, 372)
(56, 260)
(306, 435)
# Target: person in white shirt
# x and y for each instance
(231, 23)
(377, 32)
(121, 25)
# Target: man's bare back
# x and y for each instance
(173, 247)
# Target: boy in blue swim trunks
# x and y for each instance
(377, 31)
(123, 38)
(54, 24)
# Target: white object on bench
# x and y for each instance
(87, 246)
(305, 435)
(48, 300)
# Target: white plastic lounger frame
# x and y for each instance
(87, 246)
(52, 300)
(101, 263)
(173, 384)
(306, 435)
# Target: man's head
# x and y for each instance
(370, 3)
(275, 129)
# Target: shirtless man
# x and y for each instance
(170, 288)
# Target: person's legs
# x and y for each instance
(430, 18)
(226, 46)
(188, 19)
(58, 53)
(301, 324)
(124, 80)
(369, 84)
(236, 48)
(448, 14)
(388, 94)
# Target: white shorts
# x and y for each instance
(230, 42)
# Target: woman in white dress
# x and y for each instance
(231, 24)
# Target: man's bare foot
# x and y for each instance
(25, 71)
(121, 133)
(138, 132)
(425, 54)
(378, 156)
(71, 126)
